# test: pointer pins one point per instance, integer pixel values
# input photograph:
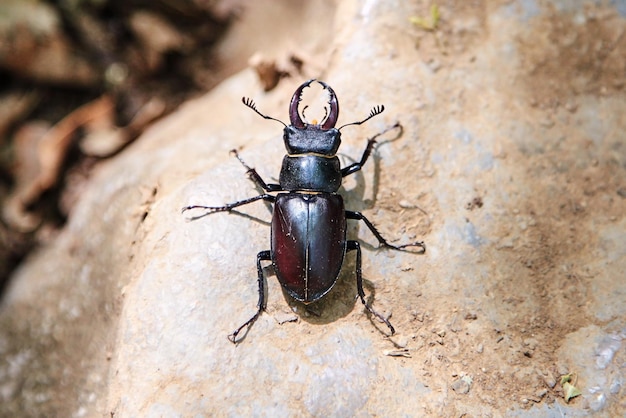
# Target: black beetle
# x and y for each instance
(308, 239)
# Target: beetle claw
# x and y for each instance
(332, 115)
(294, 114)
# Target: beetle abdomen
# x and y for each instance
(308, 243)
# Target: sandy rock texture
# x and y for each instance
(511, 167)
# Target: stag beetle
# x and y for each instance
(308, 229)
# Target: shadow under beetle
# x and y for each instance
(308, 238)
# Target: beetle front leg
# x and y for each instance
(262, 256)
(382, 241)
(256, 178)
(352, 168)
(355, 246)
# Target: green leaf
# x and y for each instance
(571, 391)
(427, 23)
(566, 378)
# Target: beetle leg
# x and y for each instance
(352, 168)
(230, 206)
(382, 241)
(354, 245)
(262, 256)
(255, 177)
(357, 166)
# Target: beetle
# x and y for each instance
(308, 228)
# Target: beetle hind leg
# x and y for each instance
(262, 256)
(355, 246)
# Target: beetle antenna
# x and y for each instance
(250, 103)
(376, 110)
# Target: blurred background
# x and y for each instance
(80, 80)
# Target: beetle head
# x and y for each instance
(332, 112)
(319, 138)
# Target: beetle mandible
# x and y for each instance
(308, 229)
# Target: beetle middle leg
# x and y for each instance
(382, 241)
(355, 246)
(262, 256)
(230, 206)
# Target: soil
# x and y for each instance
(534, 214)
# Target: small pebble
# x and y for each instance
(549, 380)
(400, 340)
(460, 386)
(571, 106)
(434, 65)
